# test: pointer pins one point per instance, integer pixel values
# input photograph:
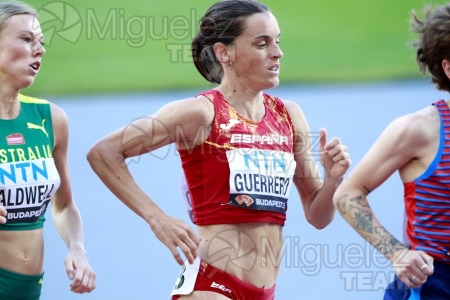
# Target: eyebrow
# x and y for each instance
(265, 36)
(40, 35)
(30, 32)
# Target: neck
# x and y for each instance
(9, 105)
(248, 103)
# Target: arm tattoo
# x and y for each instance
(359, 215)
(340, 204)
(362, 219)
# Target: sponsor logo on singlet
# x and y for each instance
(26, 188)
(268, 139)
(230, 124)
(40, 127)
(15, 139)
(260, 179)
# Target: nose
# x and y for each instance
(277, 52)
(38, 49)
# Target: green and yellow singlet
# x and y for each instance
(28, 175)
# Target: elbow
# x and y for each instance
(320, 213)
(323, 224)
(93, 154)
(320, 223)
(96, 154)
(104, 156)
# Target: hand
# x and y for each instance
(175, 233)
(3, 213)
(412, 267)
(333, 155)
(79, 271)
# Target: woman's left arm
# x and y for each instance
(65, 213)
(316, 193)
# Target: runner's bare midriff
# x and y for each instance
(22, 251)
(249, 251)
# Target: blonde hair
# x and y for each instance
(9, 9)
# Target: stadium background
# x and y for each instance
(347, 63)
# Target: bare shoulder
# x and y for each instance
(59, 116)
(291, 106)
(187, 121)
(60, 125)
(201, 105)
(420, 127)
(60, 130)
(194, 110)
(297, 116)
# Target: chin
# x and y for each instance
(272, 84)
(26, 83)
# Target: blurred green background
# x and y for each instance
(144, 45)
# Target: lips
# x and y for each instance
(35, 66)
(274, 68)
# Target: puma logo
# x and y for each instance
(34, 126)
(230, 124)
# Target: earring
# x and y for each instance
(229, 65)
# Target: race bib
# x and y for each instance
(260, 179)
(26, 188)
(186, 280)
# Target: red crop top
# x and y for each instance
(243, 171)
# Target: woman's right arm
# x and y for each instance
(398, 145)
(177, 122)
